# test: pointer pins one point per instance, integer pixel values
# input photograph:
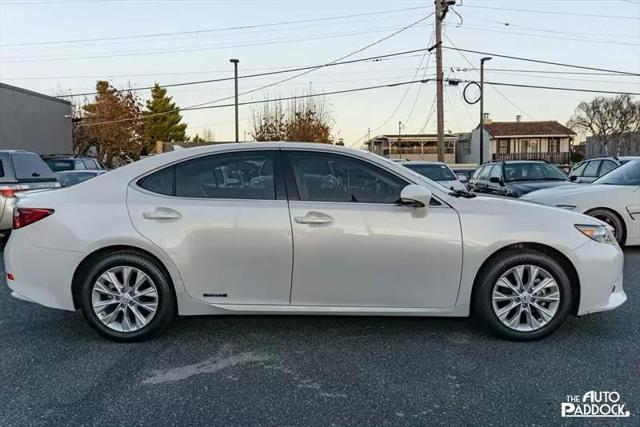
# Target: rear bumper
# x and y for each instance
(40, 275)
(599, 268)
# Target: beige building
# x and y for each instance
(520, 140)
(414, 146)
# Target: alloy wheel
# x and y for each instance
(124, 299)
(525, 298)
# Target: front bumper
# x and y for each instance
(599, 268)
(40, 275)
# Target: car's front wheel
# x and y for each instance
(127, 297)
(523, 295)
(612, 219)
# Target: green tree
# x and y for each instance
(162, 119)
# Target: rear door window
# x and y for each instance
(592, 169)
(30, 167)
(607, 166)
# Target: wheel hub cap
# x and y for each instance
(526, 298)
(124, 299)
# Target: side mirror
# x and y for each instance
(495, 180)
(416, 196)
(573, 178)
(462, 178)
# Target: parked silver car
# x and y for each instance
(589, 170)
(20, 171)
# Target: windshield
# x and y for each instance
(60, 165)
(627, 174)
(532, 172)
(435, 172)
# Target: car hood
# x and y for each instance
(571, 192)
(524, 187)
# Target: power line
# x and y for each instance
(337, 92)
(198, 48)
(300, 74)
(550, 12)
(513, 104)
(268, 73)
(210, 30)
(568, 89)
(311, 95)
(540, 61)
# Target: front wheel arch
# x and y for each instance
(90, 259)
(566, 264)
(618, 216)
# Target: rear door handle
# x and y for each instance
(162, 214)
(314, 218)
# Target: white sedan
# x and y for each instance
(613, 198)
(296, 228)
(436, 171)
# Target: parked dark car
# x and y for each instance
(69, 162)
(516, 178)
(20, 171)
(589, 170)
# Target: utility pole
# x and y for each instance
(482, 61)
(235, 74)
(439, 78)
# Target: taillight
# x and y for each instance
(10, 190)
(25, 216)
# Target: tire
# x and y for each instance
(516, 324)
(613, 219)
(145, 308)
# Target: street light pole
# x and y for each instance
(482, 61)
(235, 75)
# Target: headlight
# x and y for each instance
(599, 233)
(567, 207)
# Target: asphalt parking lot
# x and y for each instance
(312, 370)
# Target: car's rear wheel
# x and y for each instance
(523, 295)
(612, 219)
(127, 297)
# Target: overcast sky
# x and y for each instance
(597, 33)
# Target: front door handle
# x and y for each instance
(162, 214)
(314, 218)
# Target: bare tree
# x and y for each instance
(303, 119)
(611, 121)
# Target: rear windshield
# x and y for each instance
(628, 174)
(1, 168)
(30, 167)
(532, 172)
(60, 165)
(433, 172)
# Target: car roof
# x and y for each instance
(17, 151)
(65, 156)
(422, 162)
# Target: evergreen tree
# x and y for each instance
(162, 119)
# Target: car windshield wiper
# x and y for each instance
(462, 193)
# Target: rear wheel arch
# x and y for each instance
(93, 257)
(566, 264)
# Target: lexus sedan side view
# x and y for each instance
(613, 199)
(298, 228)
